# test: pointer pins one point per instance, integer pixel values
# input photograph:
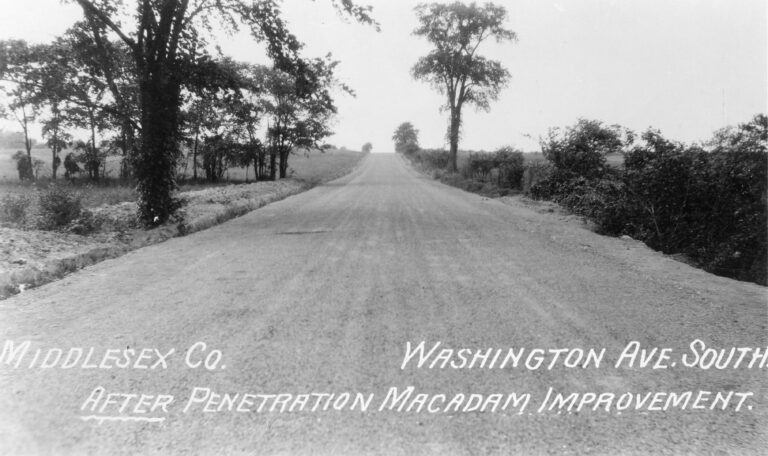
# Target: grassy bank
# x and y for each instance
(31, 257)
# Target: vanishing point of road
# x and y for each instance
(321, 292)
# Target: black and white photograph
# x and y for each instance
(383, 227)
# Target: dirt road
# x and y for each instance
(321, 292)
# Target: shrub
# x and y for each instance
(708, 205)
(70, 166)
(84, 223)
(23, 166)
(600, 200)
(479, 166)
(15, 208)
(58, 208)
(410, 149)
(534, 173)
(433, 158)
(510, 167)
(506, 164)
(580, 150)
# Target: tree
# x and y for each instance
(367, 147)
(94, 60)
(216, 116)
(53, 91)
(581, 150)
(64, 85)
(406, 138)
(70, 166)
(23, 166)
(751, 136)
(453, 67)
(19, 78)
(300, 109)
(164, 39)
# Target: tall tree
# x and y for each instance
(164, 37)
(300, 109)
(453, 67)
(96, 60)
(406, 138)
(211, 112)
(19, 76)
(54, 92)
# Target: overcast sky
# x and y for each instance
(686, 67)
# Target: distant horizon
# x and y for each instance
(684, 67)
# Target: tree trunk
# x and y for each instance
(124, 161)
(27, 143)
(128, 134)
(262, 162)
(93, 163)
(453, 136)
(54, 165)
(55, 153)
(284, 161)
(159, 102)
(272, 163)
(55, 149)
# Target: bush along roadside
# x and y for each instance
(705, 202)
(493, 174)
(708, 204)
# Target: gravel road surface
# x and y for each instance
(320, 293)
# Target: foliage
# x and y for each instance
(367, 147)
(406, 139)
(300, 109)
(58, 208)
(453, 67)
(14, 208)
(707, 205)
(534, 173)
(20, 76)
(432, 158)
(92, 158)
(580, 150)
(24, 166)
(70, 166)
(507, 163)
(163, 48)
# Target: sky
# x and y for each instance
(685, 67)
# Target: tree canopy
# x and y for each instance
(406, 138)
(456, 31)
(164, 39)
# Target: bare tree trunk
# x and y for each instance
(93, 164)
(194, 154)
(284, 152)
(128, 134)
(272, 163)
(262, 162)
(453, 136)
(27, 141)
(159, 101)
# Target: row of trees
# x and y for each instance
(139, 78)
